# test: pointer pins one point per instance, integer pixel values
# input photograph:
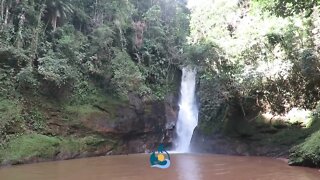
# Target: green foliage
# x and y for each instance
(98, 52)
(28, 146)
(35, 119)
(58, 9)
(68, 40)
(56, 70)
(67, 59)
(26, 79)
(10, 119)
(7, 86)
(243, 50)
(13, 57)
(78, 145)
(10, 110)
(287, 8)
(102, 39)
(127, 77)
(88, 100)
(70, 43)
(6, 35)
(82, 92)
(306, 149)
(307, 153)
(289, 136)
(80, 111)
(167, 27)
(309, 64)
(250, 52)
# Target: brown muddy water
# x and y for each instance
(183, 167)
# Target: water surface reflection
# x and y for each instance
(184, 167)
(188, 168)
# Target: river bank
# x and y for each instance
(106, 127)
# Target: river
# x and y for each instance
(184, 167)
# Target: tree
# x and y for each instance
(58, 9)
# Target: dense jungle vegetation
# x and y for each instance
(60, 57)
(253, 57)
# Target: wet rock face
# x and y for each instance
(219, 143)
(140, 126)
(239, 133)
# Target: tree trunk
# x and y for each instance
(7, 15)
(34, 44)
(54, 22)
(95, 12)
(2, 9)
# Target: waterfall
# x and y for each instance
(188, 113)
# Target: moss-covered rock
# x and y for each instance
(307, 153)
(37, 147)
(251, 136)
(29, 146)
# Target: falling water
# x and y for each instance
(188, 113)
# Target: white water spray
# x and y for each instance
(188, 113)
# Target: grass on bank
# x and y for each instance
(29, 146)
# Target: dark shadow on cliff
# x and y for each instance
(244, 131)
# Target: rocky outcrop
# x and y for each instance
(245, 146)
(139, 126)
(242, 131)
(218, 144)
(98, 129)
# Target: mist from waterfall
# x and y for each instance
(188, 113)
